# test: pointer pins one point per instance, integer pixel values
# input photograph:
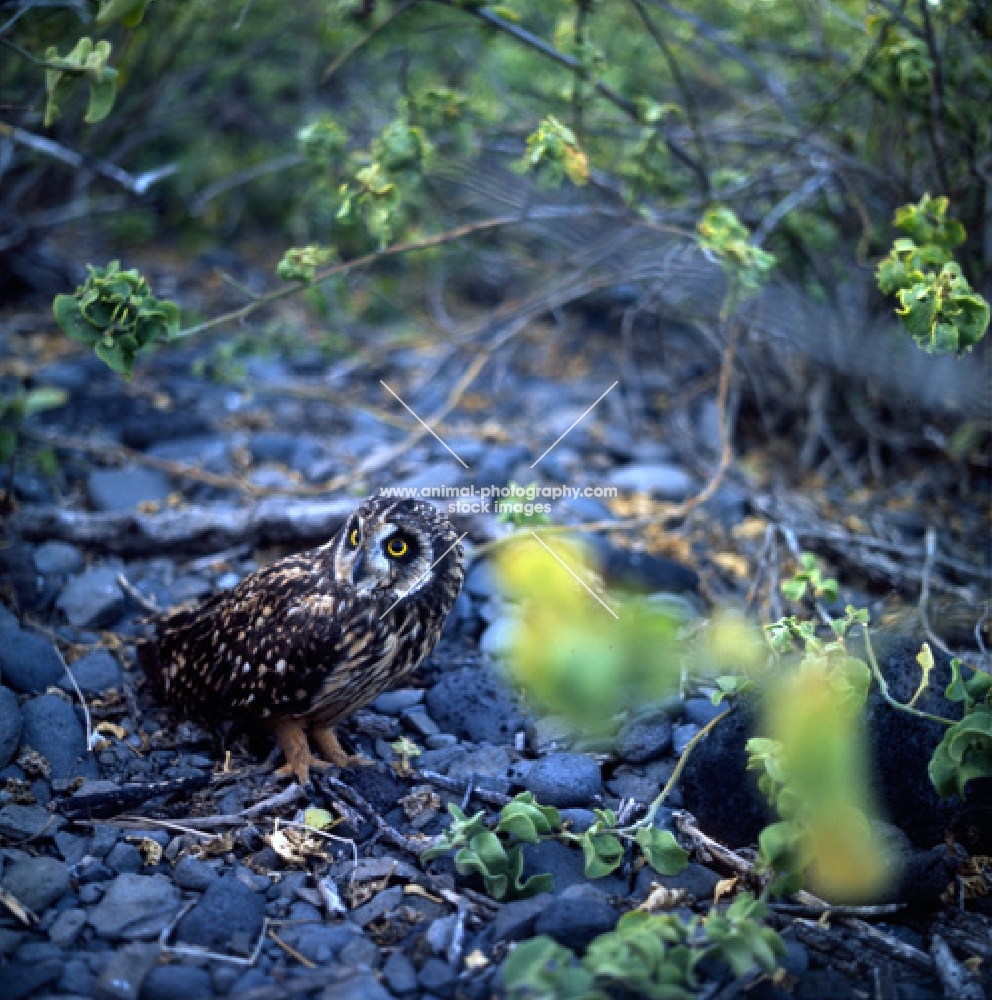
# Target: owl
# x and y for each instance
(303, 642)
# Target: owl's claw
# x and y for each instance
(291, 735)
(331, 750)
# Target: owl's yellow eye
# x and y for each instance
(397, 548)
(353, 538)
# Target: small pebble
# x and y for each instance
(176, 982)
(135, 907)
(29, 662)
(681, 735)
(564, 779)
(93, 599)
(36, 882)
(57, 558)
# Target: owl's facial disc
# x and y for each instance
(391, 558)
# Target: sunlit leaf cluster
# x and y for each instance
(87, 61)
(965, 752)
(116, 314)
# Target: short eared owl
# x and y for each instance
(305, 641)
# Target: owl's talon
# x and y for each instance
(331, 750)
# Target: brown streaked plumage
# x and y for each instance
(305, 641)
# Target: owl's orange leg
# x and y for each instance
(327, 741)
(291, 735)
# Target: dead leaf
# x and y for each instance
(418, 890)
(475, 960)
(725, 887)
(295, 845)
(151, 850)
(661, 898)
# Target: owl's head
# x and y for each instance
(394, 548)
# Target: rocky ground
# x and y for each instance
(155, 866)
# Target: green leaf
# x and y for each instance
(43, 398)
(795, 588)
(8, 444)
(603, 853)
(318, 818)
(128, 11)
(102, 94)
(69, 316)
(661, 850)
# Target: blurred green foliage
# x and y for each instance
(965, 752)
(650, 955)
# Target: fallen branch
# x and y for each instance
(102, 805)
(274, 520)
(957, 981)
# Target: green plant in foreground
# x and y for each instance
(87, 60)
(656, 956)
(810, 576)
(965, 752)
(497, 854)
(937, 306)
(115, 313)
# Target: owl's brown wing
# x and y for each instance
(263, 648)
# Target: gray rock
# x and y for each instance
(482, 581)
(472, 704)
(135, 907)
(640, 783)
(228, 918)
(566, 866)
(701, 711)
(125, 858)
(550, 733)
(421, 723)
(321, 942)
(384, 902)
(29, 662)
(670, 482)
(398, 701)
(579, 820)
(643, 739)
(21, 822)
(94, 599)
(11, 723)
(698, 881)
(192, 873)
(122, 489)
(361, 953)
(499, 637)
(36, 882)
(575, 922)
(77, 979)
(95, 673)
(400, 974)
(362, 986)
(681, 735)
(487, 766)
(8, 621)
(122, 977)
(439, 978)
(208, 452)
(10, 939)
(176, 982)
(564, 779)
(66, 927)
(273, 446)
(52, 728)
(57, 559)
(515, 920)
(22, 979)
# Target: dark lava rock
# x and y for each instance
(176, 982)
(122, 976)
(22, 979)
(32, 592)
(122, 489)
(566, 866)
(361, 986)
(37, 882)
(95, 673)
(152, 426)
(700, 711)
(57, 559)
(28, 662)
(438, 978)
(20, 822)
(696, 879)
(52, 728)
(824, 984)
(575, 922)
(320, 942)
(125, 858)
(228, 918)
(191, 873)
(515, 920)
(400, 974)
(644, 739)
(563, 779)
(472, 704)
(719, 790)
(11, 722)
(94, 599)
(647, 574)
(135, 907)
